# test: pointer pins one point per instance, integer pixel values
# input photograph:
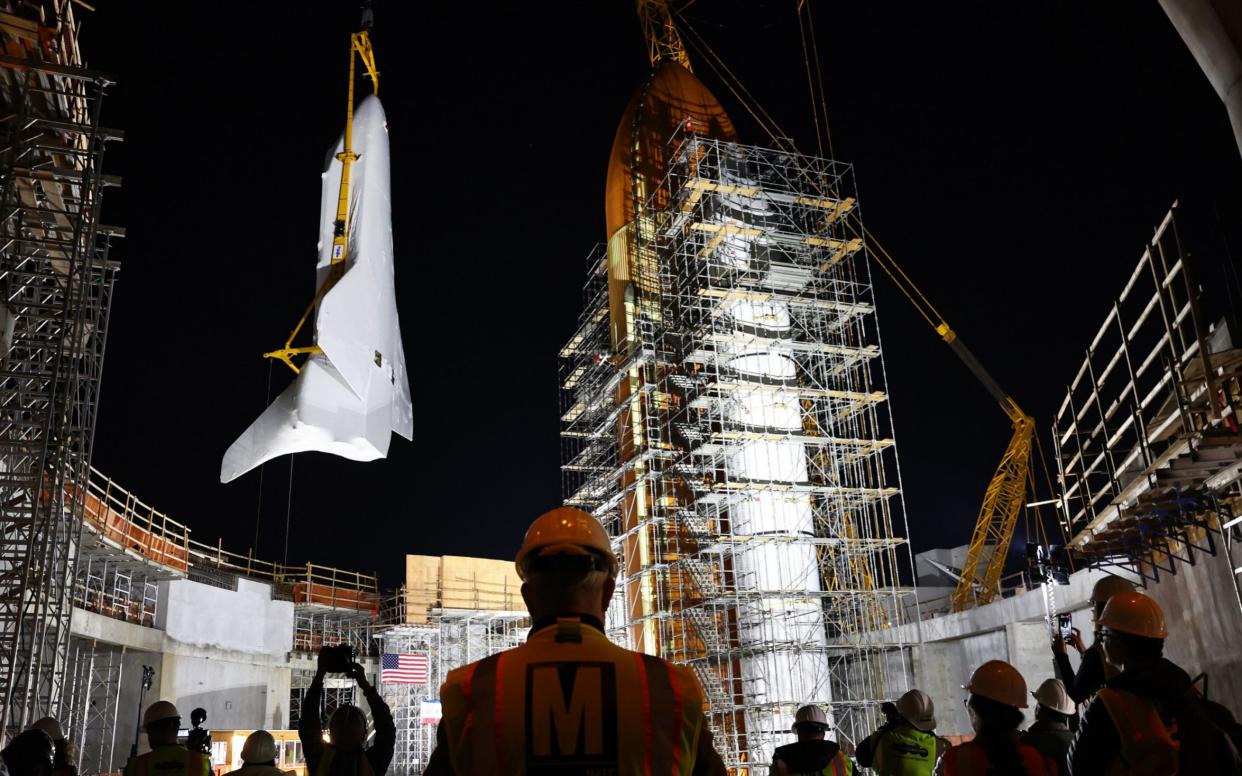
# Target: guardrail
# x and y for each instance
(124, 520)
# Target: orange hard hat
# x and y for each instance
(1109, 586)
(1136, 614)
(565, 531)
(998, 681)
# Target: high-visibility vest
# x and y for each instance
(907, 751)
(969, 759)
(569, 699)
(363, 767)
(169, 761)
(1147, 744)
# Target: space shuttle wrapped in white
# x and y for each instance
(350, 396)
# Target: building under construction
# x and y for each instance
(725, 416)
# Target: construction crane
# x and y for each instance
(359, 45)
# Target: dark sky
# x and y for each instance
(1014, 157)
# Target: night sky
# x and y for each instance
(1014, 157)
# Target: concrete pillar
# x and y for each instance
(1212, 30)
(279, 685)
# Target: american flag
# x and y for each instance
(404, 668)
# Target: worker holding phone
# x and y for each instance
(1092, 671)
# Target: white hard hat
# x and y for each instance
(810, 715)
(565, 530)
(50, 726)
(1052, 694)
(1136, 614)
(260, 747)
(158, 712)
(999, 681)
(916, 707)
(1109, 586)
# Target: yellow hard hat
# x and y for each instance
(1136, 614)
(158, 712)
(260, 747)
(1053, 695)
(1109, 586)
(998, 681)
(565, 531)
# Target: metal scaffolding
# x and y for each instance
(56, 281)
(89, 713)
(737, 443)
(1147, 438)
(450, 638)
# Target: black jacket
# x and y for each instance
(1097, 744)
(1053, 739)
(1090, 676)
(806, 756)
(379, 756)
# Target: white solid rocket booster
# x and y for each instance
(348, 399)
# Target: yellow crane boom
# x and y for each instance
(360, 45)
(979, 581)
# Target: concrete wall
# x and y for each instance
(245, 619)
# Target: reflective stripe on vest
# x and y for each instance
(906, 751)
(969, 759)
(571, 700)
(169, 761)
(1143, 735)
(329, 754)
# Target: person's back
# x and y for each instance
(258, 756)
(997, 697)
(569, 700)
(813, 757)
(907, 744)
(346, 754)
(1051, 733)
(162, 721)
(904, 750)
(974, 758)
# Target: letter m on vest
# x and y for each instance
(571, 714)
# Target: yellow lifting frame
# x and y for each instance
(360, 44)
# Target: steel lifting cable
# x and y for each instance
(258, 511)
(748, 101)
(810, 81)
(819, 77)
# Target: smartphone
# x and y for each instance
(1066, 623)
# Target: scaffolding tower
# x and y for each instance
(738, 445)
(55, 292)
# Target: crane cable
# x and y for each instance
(773, 129)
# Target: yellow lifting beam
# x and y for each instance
(663, 40)
(360, 44)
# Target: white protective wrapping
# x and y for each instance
(348, 399)
(783, 640)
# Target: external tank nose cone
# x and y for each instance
(670, 95)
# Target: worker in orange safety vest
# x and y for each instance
(997, 697)
(569, 700)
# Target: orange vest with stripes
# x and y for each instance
(571, 700)
(969, 759)
(1147, 744)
